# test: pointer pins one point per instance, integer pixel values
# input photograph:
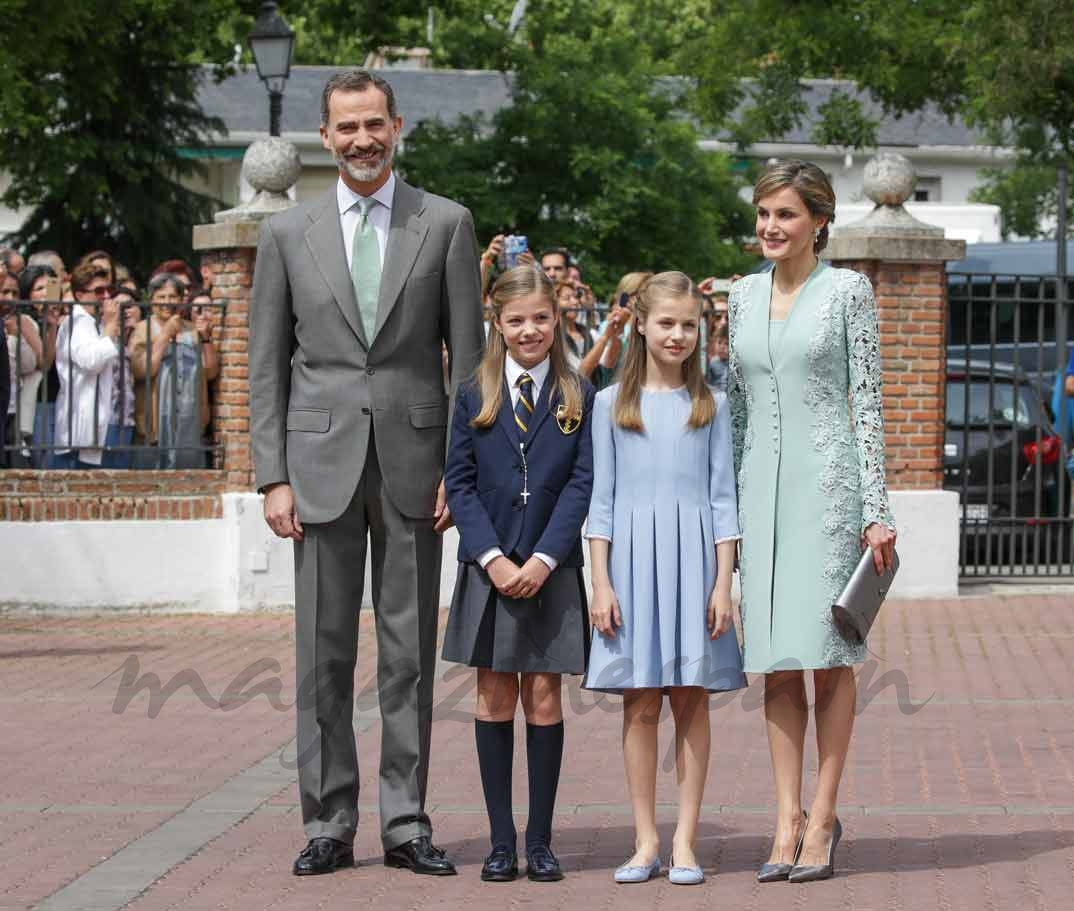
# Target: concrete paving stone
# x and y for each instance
(962, 803)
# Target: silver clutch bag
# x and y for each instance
(856, 608)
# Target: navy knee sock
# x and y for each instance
(544, 754)
(495, 756)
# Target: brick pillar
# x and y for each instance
(229, 250)
(911, 299)
(905, 261)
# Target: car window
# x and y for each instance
(1006, 412)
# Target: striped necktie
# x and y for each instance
(524, 405)
(365, 268)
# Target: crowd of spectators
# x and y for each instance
(99, 372)
(596, 333)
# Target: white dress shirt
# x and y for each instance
(512, 371)
(380, 215)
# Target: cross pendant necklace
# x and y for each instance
(525, 475)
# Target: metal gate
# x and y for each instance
(1005, 445)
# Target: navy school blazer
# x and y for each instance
(483, 479)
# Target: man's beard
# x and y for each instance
(364, 173)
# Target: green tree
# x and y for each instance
(1019, 86)
(332, 32)
(1005, 66)
(593, 154)
(95, 105)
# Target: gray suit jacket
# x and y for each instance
(317, 384)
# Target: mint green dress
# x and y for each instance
(808, 436)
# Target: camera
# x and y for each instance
(513, 245)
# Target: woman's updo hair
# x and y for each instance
(809, 182)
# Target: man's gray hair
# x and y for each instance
(8, 255)
(49, 258)
(356, 81)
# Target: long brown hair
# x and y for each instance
(663, 286)
(512, 285)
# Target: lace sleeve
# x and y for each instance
(866, 399)
(736, 388)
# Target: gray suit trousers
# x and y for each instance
(329, 576)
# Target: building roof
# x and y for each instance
(926, 127)
(241, 101)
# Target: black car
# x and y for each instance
(1005, 460)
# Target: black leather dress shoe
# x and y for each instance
(323, 855)
(419, 855)
(501, 866)
(542, 865)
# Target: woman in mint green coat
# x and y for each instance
(805, 396)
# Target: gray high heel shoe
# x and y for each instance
(776, 873)
(810, 872)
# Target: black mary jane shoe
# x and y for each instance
(323, 855)
(501, 866)
(420, 855)
(542, 866)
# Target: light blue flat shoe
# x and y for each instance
(635, 874)
(685, 876)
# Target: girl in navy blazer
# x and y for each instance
(519, 475)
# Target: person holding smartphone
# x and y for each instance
(39, 282)
(173, 361)
(25, 356)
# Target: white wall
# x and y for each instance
(221, 565)
(975, 223)
(178, 565)
(235, 564)
(928, 539)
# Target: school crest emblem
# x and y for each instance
(568, 422)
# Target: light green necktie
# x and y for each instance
(365, 268)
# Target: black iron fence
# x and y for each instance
(1008, 428)
(117, 384)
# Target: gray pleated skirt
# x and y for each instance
(545, 634)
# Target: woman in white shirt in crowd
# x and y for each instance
(87, 350)
(24, 361)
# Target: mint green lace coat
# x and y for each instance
(808, 436)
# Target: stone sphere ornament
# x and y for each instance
(271, 164)
(889, 179)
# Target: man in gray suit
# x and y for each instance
(354, 295)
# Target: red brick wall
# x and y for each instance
(34, 496)
(42, 496)
(233, 276)
(912, 303)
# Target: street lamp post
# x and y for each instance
(272, 42)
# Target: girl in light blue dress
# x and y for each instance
(663, 528)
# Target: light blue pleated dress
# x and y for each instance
(663, 498)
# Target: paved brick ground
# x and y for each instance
(964, 802)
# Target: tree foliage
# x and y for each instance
(593, 154)
(95, 106)
(98, 108)
(1005, 66)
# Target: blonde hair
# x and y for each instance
(512, 285)
(627, 414)
(809, 182)
(630, 283)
